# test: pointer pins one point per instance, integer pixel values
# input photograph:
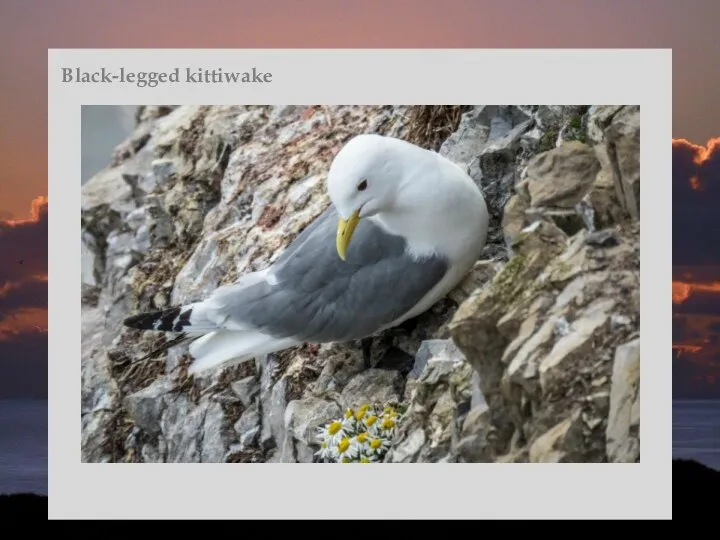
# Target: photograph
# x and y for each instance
(360, 284)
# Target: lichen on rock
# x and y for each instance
(533, 357)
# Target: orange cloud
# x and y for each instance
(38, 207)
(702, 153)
(23, 322)
(700, 156)
(681, 291)
(681, 348)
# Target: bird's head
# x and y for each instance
(364, 180)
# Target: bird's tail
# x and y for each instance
(224, 348)
(181, 320)
(154, 353)
(178, 319)
(211, 345)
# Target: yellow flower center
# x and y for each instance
(344, 445)
(334, 427)
(324, 444)
(375, 444)
(349, 413)
(362, 437)
(361, 413)
(346, 460)
(371, 420)
(364, 460)
(388, 423)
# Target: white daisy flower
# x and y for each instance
(390, 412)
(378, 445)
(349, 423)
(370, 458)
(362, 412)
(343, 450)
(326, 451)
(371, 423)
(332, 433)
(359, 444)
(387, 426)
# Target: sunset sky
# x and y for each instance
(29, 28)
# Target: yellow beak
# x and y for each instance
(345, 231)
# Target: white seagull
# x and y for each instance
(404, 227)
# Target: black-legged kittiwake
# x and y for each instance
(404, 226)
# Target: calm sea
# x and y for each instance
(696, 431)
(23, 446)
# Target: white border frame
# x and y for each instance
(364, 76)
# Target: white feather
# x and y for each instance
(223, 348)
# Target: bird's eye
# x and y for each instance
(362, 186)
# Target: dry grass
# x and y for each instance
(133, 375)
(249, 455)
(430, 125)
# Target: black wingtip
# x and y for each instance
(142, 321)
(173, 319)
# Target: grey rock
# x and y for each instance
(150, 454)
(337, 372)
(307, 415)
(303, 452)
(182, 428)
(217, 435)
(464, 145)
(247, 390)
(163, 170)
(408, 450)
(623, 432)
(472, 446)
(439, 350)
(248, 426)
(623, 148)
(477, 399)
(146, 406)
(372, 386)
(273, 412)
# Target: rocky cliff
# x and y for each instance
(534, 357)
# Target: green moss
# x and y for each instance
(576, 131)
(560, 274)
(547, 141)
(576, 122)
(506, 285)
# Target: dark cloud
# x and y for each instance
(28, 294)
(693, 380)
(679, 329)
(696, 203)
(700, 303)
(24, 240)
(23, 366)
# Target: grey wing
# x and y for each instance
(319, 297)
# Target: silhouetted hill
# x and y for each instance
(696, 482)
(23, 503)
